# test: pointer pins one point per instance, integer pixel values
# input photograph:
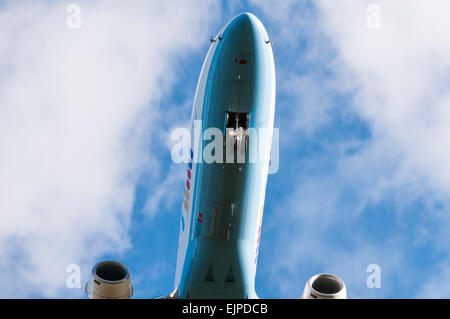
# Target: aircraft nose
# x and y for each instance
(244, 28)
(244, 22)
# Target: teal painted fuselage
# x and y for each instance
(223, 201)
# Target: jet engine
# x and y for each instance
(324, 286)
(109, 280)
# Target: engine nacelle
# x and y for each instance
(109, 280)
(324, 286)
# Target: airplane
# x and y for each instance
(223, 202)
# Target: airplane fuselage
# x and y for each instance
(223, 201)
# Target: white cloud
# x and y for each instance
(167, 192)
(313, 107)
(399, 78)
(76, 109)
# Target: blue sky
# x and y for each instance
(363, 115)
